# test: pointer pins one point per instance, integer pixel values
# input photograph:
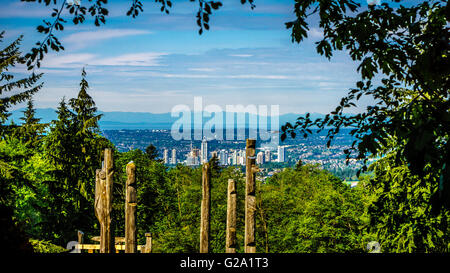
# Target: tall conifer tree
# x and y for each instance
(20, 89)
(74, 147)
(31, 130)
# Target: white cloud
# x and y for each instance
(254, 76)
(133, 59)
(205, 69)
(241, 55)
(85, 38)
(78, 60)
(201, 76)
(75, 60)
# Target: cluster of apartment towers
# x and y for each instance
(233, 157)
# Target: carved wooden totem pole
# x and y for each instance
(130, 210)
(103, 202)
(250, 197)
(205, 209)
(230, 244)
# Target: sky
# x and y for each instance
(156, 61)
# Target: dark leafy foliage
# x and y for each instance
(406, 50)
(402, 215)
(12, 238)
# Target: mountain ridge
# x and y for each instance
(117, 120)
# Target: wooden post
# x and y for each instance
(103, 202)
(99, 202)
(250, 196)
(148, 243)
(130, 210)
(80, 236)
(205, 209)
(230, 246)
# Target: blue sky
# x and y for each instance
(153, 62)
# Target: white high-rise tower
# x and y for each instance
(174, 156)
(166, 156)
(281, 154)
(204, 151)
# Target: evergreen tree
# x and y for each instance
(21, 89)
(28, 117)
(87, 135)
(84, 108)
(31, 131)
(62, 195)
(151, 152)
(74, 149)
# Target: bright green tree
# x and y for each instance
(13, 156)
(306, 209)
(402, 215)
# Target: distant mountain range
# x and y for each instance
(141, 120)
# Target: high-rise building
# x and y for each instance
(260, 158)
(267, 156)
(174, 156)
(234, 158)
(193, 157)
(241, 157)
(281, 154)
(195, 152)
(204, 151)
(166, 156)
(190, 160)
(223, 157)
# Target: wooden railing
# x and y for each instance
(119, 244)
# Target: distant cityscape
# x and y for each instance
(271, 158)
(225, 157)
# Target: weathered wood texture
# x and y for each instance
(230, 245)
(130, 210)
(205, 209)
(148, 243)
(250, 197)
(103, 202)
(117, 240)
(80, 235)
(91, 247)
